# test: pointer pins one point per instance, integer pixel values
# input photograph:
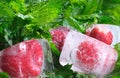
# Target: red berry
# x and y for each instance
(101, 33)
(58, 36)
(23, 60)
(88, 55)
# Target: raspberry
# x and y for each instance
(58, 36)
(23, 60)
(87, 54)
(101, 33)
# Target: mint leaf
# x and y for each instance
(3, 75)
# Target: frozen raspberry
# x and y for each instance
(58, 36)
(101, 33)
(23, 60)
(88, 55)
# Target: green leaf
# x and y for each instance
(18, 6)
(46, 12)
(116, 72)
(44, 15)
(6, 15)
(82, 75)
(74, 23)
(111, 12)
(3, 75)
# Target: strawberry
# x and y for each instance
(58, 36)
(101, 33)
(23, 60)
